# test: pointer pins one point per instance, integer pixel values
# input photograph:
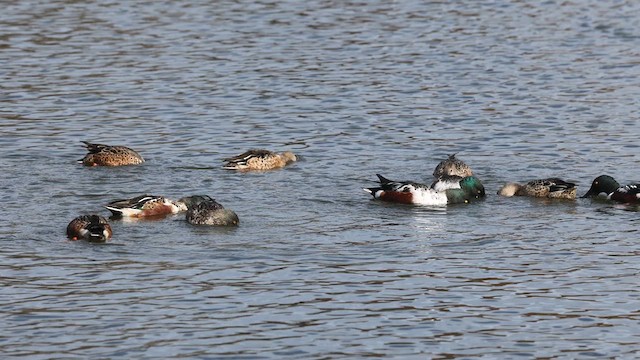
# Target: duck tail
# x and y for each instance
(233, 166)
(383, 180)
(561, 185)
(115, 211)
(375, 192)
(93, 148)
(97, 229)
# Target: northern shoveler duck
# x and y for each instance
(606, 186)
(203, 210)
(552, 188)
(144, 206)
(452, 167)
(259, 160)
(408, 192)
(93, 228)
(106, 155)
(449, 172)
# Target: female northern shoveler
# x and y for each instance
(105, 155)
(259, 160)
(607, 186)
(452, 167)
(552, 188)
(449, 172)
(203, 210)
(408, 192)
(93, 228)
(145, 205)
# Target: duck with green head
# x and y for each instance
(605, 186)
(408, 192)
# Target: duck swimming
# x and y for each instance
(607, 187)
(145, 206)
(259, 160)
(106, 155)
(203, 210)
(408, 192)
(553, 188)
(93, 228)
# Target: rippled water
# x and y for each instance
(521, 90)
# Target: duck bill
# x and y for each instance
(590, 193)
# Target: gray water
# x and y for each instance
(316, 269)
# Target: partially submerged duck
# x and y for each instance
(203, 210)
(145, 206)
(93, 228)
(259, 160)
(106, 155)
(553, 188)
(408, 192)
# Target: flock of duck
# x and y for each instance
(454, 183)
(199, 209)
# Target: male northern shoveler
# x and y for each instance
(552, 188)
(259, 160)
(203, 210)
(408, 192)
(93, 228)
(452, 167)
(106, 155)
(607, 186)
(144, 206)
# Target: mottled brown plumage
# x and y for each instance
(203, 210)
(93, 228)
(259, 160)
(106, 155)
(552, 188)
(452, 167)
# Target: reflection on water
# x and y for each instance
(316, 268)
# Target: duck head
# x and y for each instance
(603, 185)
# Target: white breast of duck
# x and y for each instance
(446, 182)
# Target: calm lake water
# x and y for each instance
(520, 90)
